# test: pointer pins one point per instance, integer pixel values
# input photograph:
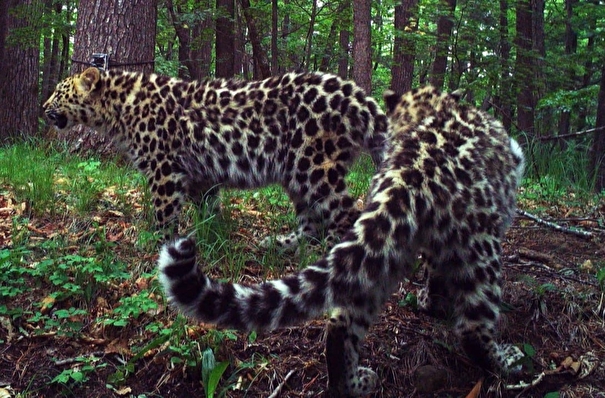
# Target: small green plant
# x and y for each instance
(410, 300)
(601, 277)
(79, 373)
(527, 361)
(30, 171)
(211, 372)
(131, 308)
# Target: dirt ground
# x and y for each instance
(554, 308)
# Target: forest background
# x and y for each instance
(537, 65)
(80, 309)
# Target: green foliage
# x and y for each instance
(558, 170)
(131, 308)
(79, 373)
(211, 372)
(27, 169)
(410, 300)
(601, 277)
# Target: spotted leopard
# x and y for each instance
(446, 189)
(300, 130)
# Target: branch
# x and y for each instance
(281, 385)
(578, 232)
(570, 135)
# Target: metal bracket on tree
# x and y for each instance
(100, 60)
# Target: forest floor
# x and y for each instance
(555, 311)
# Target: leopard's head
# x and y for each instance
(76, 101)
(416, 105)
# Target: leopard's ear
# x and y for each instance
(391, 99)
(88, 79)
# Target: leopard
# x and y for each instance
(301, 130)
(444, 193)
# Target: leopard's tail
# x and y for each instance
(375, 139)
(266, 306)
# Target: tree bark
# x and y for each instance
(123, 29)
(524, 71)
(19, 63)
(274, 33)
(504, 96)
(404, 48)
(126, 31)
(597, 163)
(259, 55)
(362, 44)
(571, 45)
(188, 67)
(344, 38)
(309, 39)
(445, 24)
(225, 39)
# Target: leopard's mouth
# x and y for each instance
(58, 119)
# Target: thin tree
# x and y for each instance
(225, 38)
(524, 70)
(259, 55)
(404, 48)
(344, 39)
(362, 44)
(597, 163)
(189, 26)
(274, 34)
(19, 63)
(503, 100)
(571, 46)
(445, 24)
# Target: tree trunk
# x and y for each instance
(259, 55)
(404, 51)
(445, 24)
(571, 45)
(187, 32)
(362, 44)
(274, 33)
(225, 39)
(597, 164)
(344, 38)
(309, 39)
(503, 100)
(123, 29)
(19, 63)
(524, 71)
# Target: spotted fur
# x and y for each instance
(300, 130)
(446, 189)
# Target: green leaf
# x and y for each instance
(529, 350)
(215, 377)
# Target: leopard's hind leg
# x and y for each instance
(345, 377)
(477, 307)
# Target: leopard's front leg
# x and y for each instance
(168, 198)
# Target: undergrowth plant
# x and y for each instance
(559, 169)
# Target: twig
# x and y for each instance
(69, 361)
(523, 385)
(578, 232)
(577, 134)
(277, 390)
